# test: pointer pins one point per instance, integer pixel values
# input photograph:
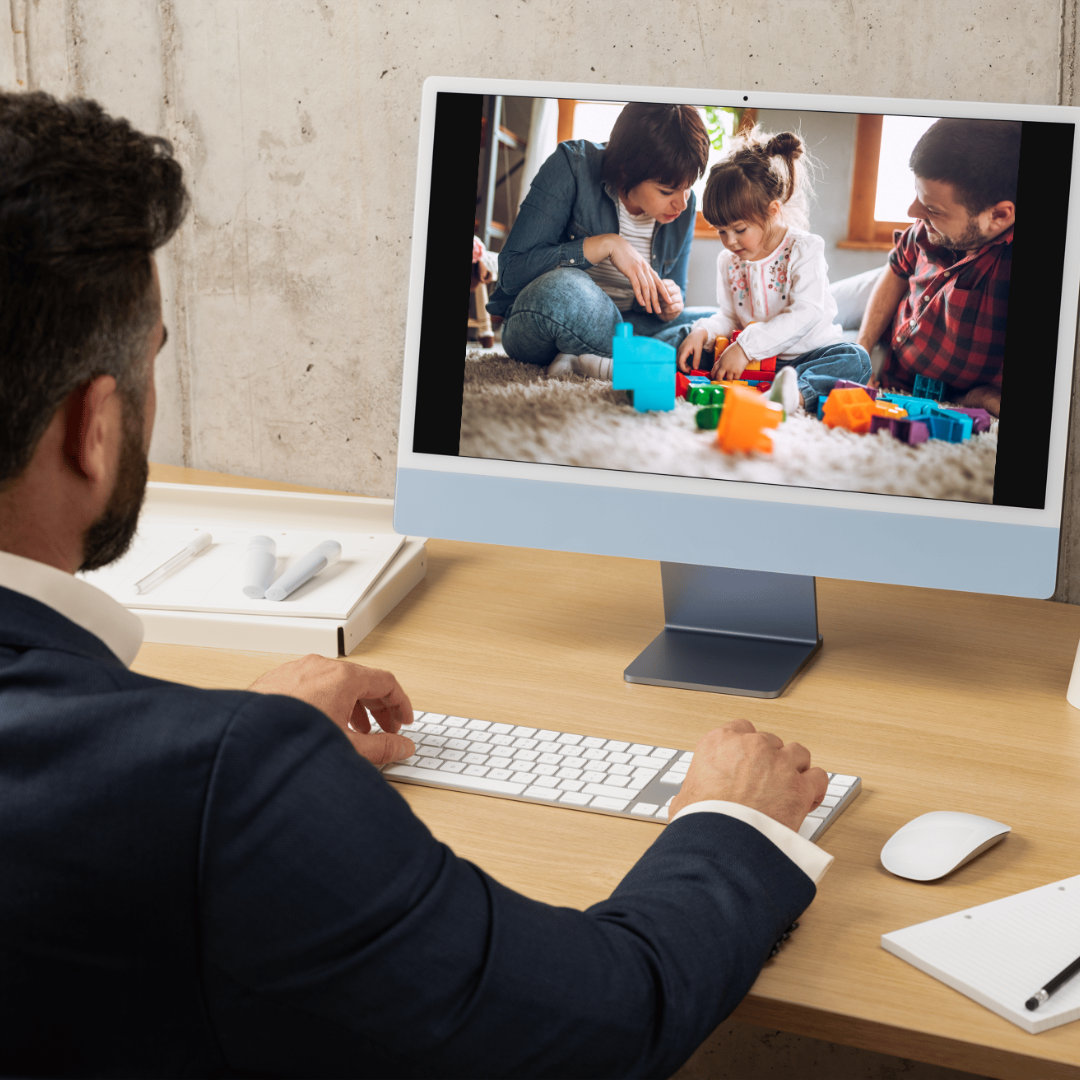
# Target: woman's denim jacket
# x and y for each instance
(566, 204)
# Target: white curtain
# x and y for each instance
(543, 138)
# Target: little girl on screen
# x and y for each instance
(771, 279)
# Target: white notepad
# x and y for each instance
(1002, 953)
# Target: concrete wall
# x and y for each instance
(296, 120)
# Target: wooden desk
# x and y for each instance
(938, 700)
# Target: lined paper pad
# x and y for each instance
(1002, 953)
(212, 580)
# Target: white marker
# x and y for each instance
(198, 544)
(260, 560)
(319, 558)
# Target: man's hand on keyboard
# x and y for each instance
(345, 692)
(739, 764)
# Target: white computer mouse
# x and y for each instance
(931, 845)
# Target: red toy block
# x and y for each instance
(682, 385)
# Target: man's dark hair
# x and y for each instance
(664, 143)
(85, 200)
(980, 158)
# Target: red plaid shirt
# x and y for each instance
(951, 325)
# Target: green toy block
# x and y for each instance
(708, 418)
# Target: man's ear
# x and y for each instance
(1000, 216)
(92, 422)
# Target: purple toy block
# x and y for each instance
(847, 384)
(980, 419)
(911, 432)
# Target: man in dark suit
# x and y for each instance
(217, 882)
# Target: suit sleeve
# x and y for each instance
(340, 937)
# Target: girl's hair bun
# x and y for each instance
(784, 144)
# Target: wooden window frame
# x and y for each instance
(864, 231)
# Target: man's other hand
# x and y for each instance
(346, 693)
(737, 763)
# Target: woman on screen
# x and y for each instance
(604, 236)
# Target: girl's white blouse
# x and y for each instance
(786, 295)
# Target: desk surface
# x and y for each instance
(937, 700)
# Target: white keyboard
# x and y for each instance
(583, 772)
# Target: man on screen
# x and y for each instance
(943, 300)
(217, 883)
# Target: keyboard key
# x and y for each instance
(820, 812)
(566, 737)
(544, 770)
(502, 740)
(614, 792)
(619, 770)
(453, 766)
(645, 809)
(569, 774)
(525, 778)
(546, 782)
(476, 759)
(593, 742)
(471, 783)
(457, 755)
(525, 744)
(501, 774)
(543, 793)
(604, 803)
(457, 744)
(502, 729)
(618, 757)
(550, 759)
(524, 732)
(547, 736)
(846, 781)
(526, 755)
(662, 813)
(476, 770)
(617, 781)
(839, 790)
(663, 752)
(592, 777)
(830, 800)
(479, 725)
(613, 744)
(672, 778)
(428, 763)
(595, 755)
(571, 785)
(642, 762)
(501, 751)
(575, 798)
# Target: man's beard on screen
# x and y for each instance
(109, 537)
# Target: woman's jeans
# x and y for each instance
(565, 311)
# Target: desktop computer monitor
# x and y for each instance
(492, 450)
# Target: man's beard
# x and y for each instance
(108, 538)
(971, 239)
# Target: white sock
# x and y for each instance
(595, 367)
(785, 389)
(561, 366)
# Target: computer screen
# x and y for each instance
(494, 448)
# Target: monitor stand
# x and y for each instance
(746, 632)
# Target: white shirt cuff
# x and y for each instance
(808, 857)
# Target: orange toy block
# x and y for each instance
(746, 421)
(851, 409)
(889, 409)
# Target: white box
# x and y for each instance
(237, 508)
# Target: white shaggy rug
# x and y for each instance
(514, 412)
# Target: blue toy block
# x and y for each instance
(698, 380)
(915, 406)
(928, 388)
(956, 427)
(645, 366)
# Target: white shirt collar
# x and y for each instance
(78, 600)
